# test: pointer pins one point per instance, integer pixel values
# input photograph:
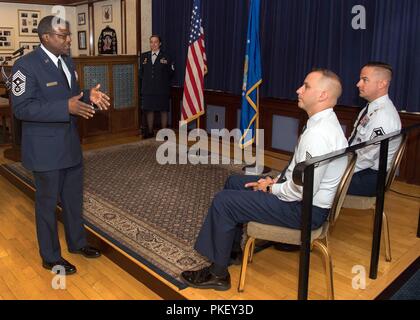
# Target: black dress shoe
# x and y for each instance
(68, 267)
(204, 279)
(88, 252)
(286, 247)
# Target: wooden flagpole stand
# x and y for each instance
(257, 126)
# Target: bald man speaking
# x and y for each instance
(378, 118)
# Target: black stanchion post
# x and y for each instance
(418, 227)
(379, 209)
(308, 187)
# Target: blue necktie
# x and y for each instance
(60, 67)
(358, 123)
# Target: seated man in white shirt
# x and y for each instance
(250, 198)
(378, 118)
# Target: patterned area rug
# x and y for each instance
(153, 212)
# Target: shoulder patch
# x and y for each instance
(18, 83)
(377, 132)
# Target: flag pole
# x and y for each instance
(257, 124)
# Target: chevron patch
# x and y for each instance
(18, 83)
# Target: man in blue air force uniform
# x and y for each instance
(47, 98)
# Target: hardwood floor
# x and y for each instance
(272, 275)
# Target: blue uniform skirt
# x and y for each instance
(155, 102)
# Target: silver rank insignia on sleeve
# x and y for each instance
(18, 83)
(377, 132)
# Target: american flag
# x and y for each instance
(193, 98)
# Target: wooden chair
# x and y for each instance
(319, 237)
(368, 203)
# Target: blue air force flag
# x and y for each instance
(252, 77)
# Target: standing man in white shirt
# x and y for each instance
(378, 118)
(250, 198)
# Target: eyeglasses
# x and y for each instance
(62, 35)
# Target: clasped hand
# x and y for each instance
(79, 108)
(261, 184)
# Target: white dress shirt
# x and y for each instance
(323, 135)
(154, 56)
(382, 118)
(54, 59)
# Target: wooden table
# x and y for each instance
(4, 114)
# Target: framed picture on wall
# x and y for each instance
(81, 19)
(28, 45)
(107, 13)
(6, 58)
(81, 40)
(28, 22)
(7, 37)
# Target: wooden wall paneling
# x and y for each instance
(347, 116)
(409, 168)
(175, 106)
(118, 123)
(271, 107)
(100, 123)
(126, 119)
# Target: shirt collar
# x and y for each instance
(375, 104)
(157, 53)
(52, 56)
(318, 116)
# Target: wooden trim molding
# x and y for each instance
(124, 26)
(138, 26)
(91, 21)
(53, 2)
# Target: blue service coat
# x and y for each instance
(40, 94)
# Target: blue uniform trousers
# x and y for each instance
(66, 186)
(236, 205)
(363, 183)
